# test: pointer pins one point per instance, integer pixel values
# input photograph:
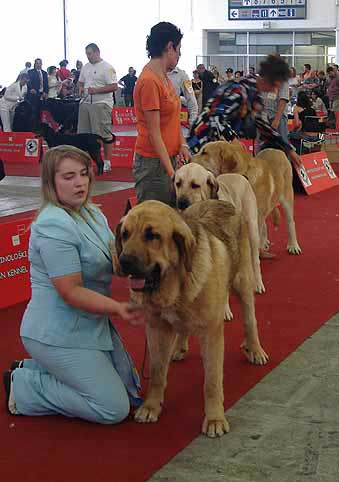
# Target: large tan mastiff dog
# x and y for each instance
(270, 175)
(181, 269)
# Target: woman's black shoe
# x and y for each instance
(17, 364)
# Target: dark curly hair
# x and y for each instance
(160, 35)
(304, 101)
(273, 69)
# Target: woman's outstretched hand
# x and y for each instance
(132, 313)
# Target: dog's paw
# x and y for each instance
(180, 349)
(147, 413)
(294, 248)
(259, 287)
(255, 354)
(265, 244)
(215, 428)
(179, 355)
(228, 316)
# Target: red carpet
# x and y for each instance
(302, 294)
(123, 174)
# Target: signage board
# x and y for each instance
(316, 173)
(15, 285)
(267, 9)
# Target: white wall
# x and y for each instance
(120, 29)
(30, 29)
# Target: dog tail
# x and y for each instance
(276, 216)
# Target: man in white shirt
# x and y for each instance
(97, 82)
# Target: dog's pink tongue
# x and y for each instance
(137, 283)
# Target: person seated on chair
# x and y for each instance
(306, 125)
(14, 93)
(78, 365)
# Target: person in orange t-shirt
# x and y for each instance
(159, 141)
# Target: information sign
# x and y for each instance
(267, 9)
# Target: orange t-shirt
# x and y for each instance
(151, 93)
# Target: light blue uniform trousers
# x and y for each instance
(70, 381)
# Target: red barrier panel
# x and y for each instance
(123, 116)
(15, 284)
(123, 151)
(20, 147)
(316, 173)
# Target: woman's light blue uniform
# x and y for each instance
(79, 367)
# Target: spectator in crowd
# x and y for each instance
(63, 72)
(322, 88)
(238, 75)
(333, 88)
(54, 83)
(28, 66)
(251, 71)
(306, 72)
(79, 367)
(219, 78)
(14, 94)
(74, 77)
(37, 90)
(293, 82)
(317, 102)
(68, 87)
(183, 87)
(76, 71)
(310, 82)
(304, 126)
(237, 108)
(209, 83)
(197, 88)
(275, 105)
(335, 68)
(229, 74)
(96, 84)
(157, 108)
(128, 83)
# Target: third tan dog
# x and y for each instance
(270, 175)
(193, 183)
(180, 271)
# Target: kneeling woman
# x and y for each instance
(79, 367)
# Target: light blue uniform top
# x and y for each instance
(60, 245)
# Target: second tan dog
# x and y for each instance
(270, 175)
(193, 183)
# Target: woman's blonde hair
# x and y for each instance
(50, 164)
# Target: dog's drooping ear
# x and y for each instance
(185, 242)
(214, 185)
(232, 158)
(208, 214)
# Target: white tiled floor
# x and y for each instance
(19, 194)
